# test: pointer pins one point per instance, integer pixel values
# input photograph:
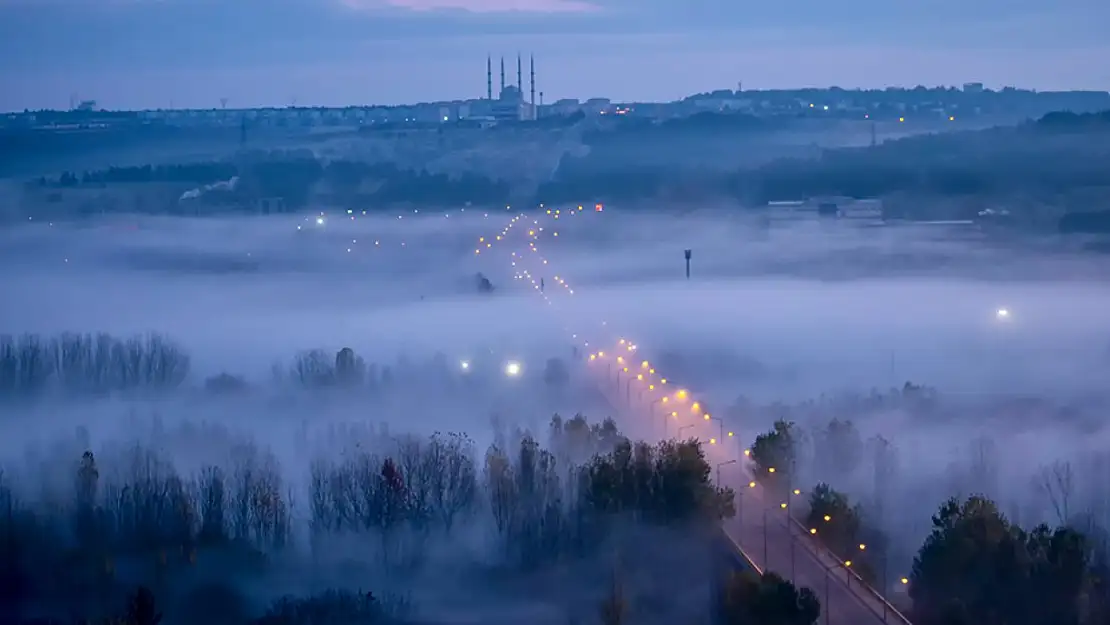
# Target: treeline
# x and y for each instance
(1061, 159)
(128, 516)
(975, 566)
(191, 173)
(708, 122)
(81, 365)
(1045, 160)
(297, 179)
(76, 364)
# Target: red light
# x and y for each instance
(597, 208)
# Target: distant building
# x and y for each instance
(597, 105)
(566, 106)
(836, 207)
(510, 106)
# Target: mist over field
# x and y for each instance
(797, 321)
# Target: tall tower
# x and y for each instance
(489, 77)
(519, 79)
(532, 86)
(502, 74)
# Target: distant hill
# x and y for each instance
(1038, 171)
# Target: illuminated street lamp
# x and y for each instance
(512, 369)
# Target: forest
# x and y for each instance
(124, 532)
(976, 565)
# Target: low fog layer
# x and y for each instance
(830, 322)
(798, 315)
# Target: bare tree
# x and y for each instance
(613, 610)
(313, 369)
(1057, 483)
(211, 487)
(983, 471)
(500, 487)
(455, 479)
(416, 464)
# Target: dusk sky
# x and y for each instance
(191, 53)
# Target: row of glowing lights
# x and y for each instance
(484, 244)
(513, 369)
(322, 219)
(827, 518)
(679, 396)
(695, 408)
(682, 394)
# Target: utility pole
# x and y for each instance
(687, 254)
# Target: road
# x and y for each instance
(777, 544)
(761, 528)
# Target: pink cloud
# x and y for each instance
(480, 6)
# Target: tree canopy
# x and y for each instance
(748, 598)
(978, 567)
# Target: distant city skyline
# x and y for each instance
(139, 54)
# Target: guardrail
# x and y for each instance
(730, 542)
(818, 550)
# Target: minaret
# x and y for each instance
(489, 77)
(532, 85)
(502, 74)
(519, 80)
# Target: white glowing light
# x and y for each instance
(512, 369)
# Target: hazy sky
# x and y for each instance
(190, 53)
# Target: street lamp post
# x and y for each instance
(651, 411)
(684, 427)
(764, 536)
(721, 464)
(793, 543)
(720, 425)
(827, 575)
